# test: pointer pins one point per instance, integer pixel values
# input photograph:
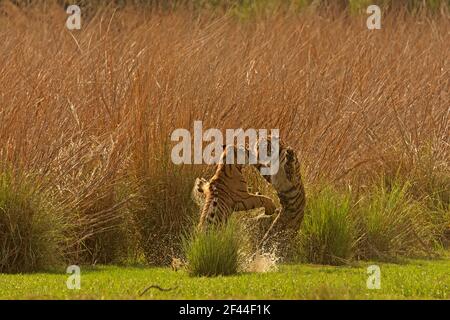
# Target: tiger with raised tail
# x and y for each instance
(227, 191)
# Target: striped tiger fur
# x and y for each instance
(290, 190)
(227, 192)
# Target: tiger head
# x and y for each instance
(235, 155)
(286, 157)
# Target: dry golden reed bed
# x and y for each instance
(88, 114)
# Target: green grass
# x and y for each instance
(394, 224)
(30, 227)
(327, 235)
(417, 279)
(216, 251)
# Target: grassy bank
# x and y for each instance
(415, 279)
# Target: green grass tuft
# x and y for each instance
(214, 252)
(394, 224)
(327, 235)
(30, 228)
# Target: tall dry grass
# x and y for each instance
(90, 112)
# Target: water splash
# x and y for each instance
(262, 262)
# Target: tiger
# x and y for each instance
(287, 182)
(227, 191)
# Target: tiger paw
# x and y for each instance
(273, 212)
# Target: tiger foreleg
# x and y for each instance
(254, 201)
